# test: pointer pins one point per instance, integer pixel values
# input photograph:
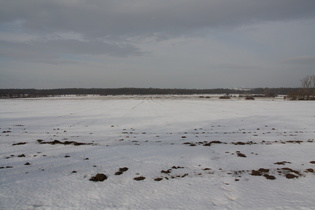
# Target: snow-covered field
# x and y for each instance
(186, 152)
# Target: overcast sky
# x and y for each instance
(156, 43)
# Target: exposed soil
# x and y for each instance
(139, 178)
(206, 143)
(166, 171)
(121, 171)
(282, 163)
(98, 178)
(239, 154)
(40, 141)
(19, 143)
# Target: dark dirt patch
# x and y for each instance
(309, 170)
(289, 173)
(2, 167)
(216, 142)
(211, 142)
(177, 167)
(282, 163)
(121, 171)
(98, 178)
(269, 177)
(256, 173)
(263, 170)
(312, 162)
(166, 171)
(19, 143)
(291, 170)
(139, 178)
(294, 142)
(6, 131)
(40, 141)
(244, 143)
(118, 173)
(239, 154)
(206, 169)
(27, 164)
(291, 176)
(158, 179)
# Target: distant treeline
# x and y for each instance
(30, 93)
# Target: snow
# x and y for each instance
(147, 135)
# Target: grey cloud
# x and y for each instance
(104, 18)
(53, 50)
(37, 33)
(302, 60)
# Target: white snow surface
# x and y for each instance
(156, 137)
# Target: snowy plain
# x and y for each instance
(190, 152)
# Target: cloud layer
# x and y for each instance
(144, 36)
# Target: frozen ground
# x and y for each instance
(190, 152)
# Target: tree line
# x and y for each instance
(32, 93)
(306, 92)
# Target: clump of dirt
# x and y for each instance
(139, 178)
(239, 143)
(6, 167)
(40, 141)
(312, 162)
(98, 178)
(216, 142)
(309, 170)
(244, 143)
(269, 176)
(206, 169)
(158, 179)
(298, 142)
(190, 144)
(256, 173)
(166, 171)
(289, 173)
(291, 170)
(19, 143)
(263, 172)
(6, 131)
(177, 167)
(184, 175)
(239, 154)
(211, 142)
(204, 143)
(121, 171)
(291, 176)
(282, 163)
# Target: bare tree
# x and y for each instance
(308, 85)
